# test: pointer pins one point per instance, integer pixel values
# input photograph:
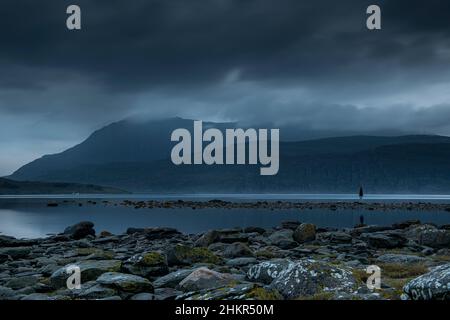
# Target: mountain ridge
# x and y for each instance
(126, 155)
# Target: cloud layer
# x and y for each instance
(310, 64)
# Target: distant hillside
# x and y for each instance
(11, 187)
(135, 156)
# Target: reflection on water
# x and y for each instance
(31, 218)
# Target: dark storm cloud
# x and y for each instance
(136, 44)
(312, 63)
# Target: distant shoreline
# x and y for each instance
(254, 204)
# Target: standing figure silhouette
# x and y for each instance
(361, 192)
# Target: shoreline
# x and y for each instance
(270, 205)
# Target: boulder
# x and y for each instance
(386, 240)
(304, 233)
(80, 230)
(265, 272)
(434, 285)
(90, 270)
(186, 255)
(203, 278)
(125, 282)
(435, 238)
(149, 264)
(236, 250)
(283, 239)
(414, 232)
(207, 239)
(307, 277)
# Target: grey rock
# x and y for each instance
(208, 238)
(237, 249)
(434, 285)
(203, 278)
(386, 240)
(283, 239)
(90, 270)
(308, 277)
(265, 272)
(148, 264)
(435, 238)
(80, 230)
(171, 280)
(125, 282)
(238, 291)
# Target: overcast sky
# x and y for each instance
(307, 63)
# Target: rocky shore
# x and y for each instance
(293, 261)
(270, 205)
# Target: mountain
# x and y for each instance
(8, 187)
(134, 155)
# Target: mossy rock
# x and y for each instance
(153, 258)
(186, 255)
